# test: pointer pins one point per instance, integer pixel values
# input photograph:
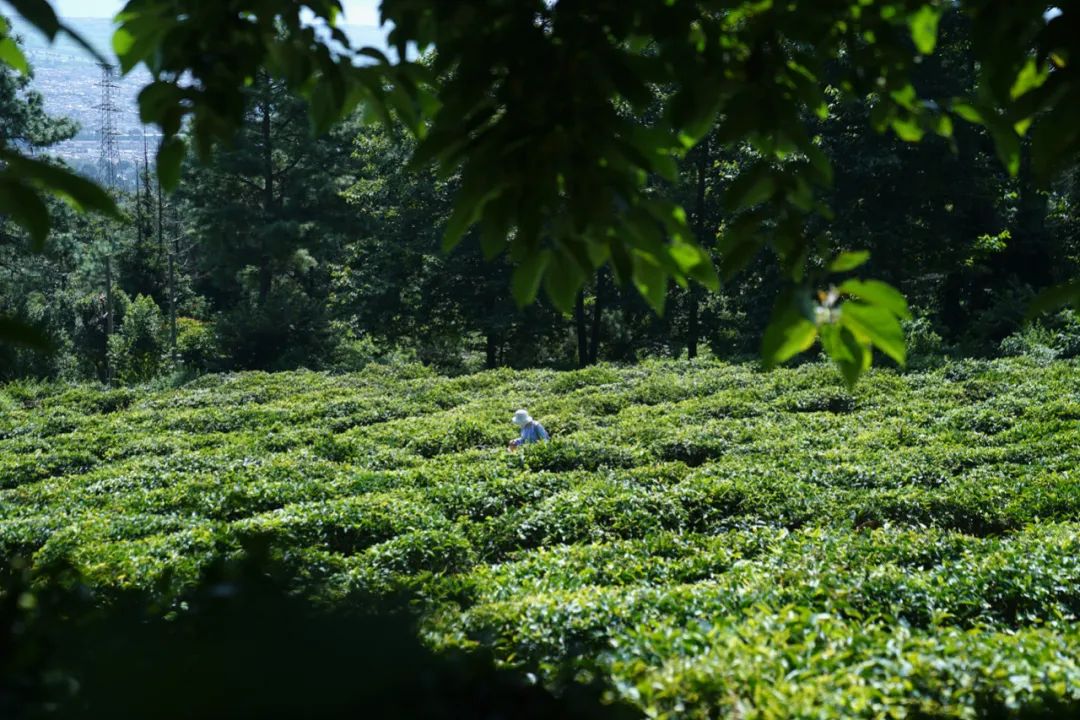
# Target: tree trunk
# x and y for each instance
(1028, 254)
(140, 221)
(598, 309)
(144, 180)
(692, 329)
(108, 311)
(172, 270)
(582, 330)
(266, 277)
(492, 351)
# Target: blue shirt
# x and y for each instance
(530, 433)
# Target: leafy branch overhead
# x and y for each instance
(559, 118)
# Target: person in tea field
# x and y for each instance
(531, 431)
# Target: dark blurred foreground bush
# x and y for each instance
(241, 647)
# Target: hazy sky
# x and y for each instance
(357, 12)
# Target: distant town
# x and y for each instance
(69, 79)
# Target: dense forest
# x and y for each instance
(291, 251)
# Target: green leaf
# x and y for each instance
(325, 103)
(908, 128)
(877, 325)
(495, 228)
(26, 208)
(739, 242)
(138, 39)
(476, 191)
(967, 111)
(789, 332)
(12, 55)
(170, 160)
(821, 165)
(687, 256)
(875, 292)
(705, 273)
(123, 42)
(525, 283)
(1031, 76)
(651, 281)
(850, 356)
(40, 14)
(924, 28)
(847, 261)
(1006, 141)
(750, 188)
(157, 99)
(563, 280)
(1055, 140)
(77, 191)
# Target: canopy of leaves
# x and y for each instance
(548, 112)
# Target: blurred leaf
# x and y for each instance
(80, 193)
(40, 14)
(907, 128)
(651, 281)
(1006, 141)
(1055, 138)
(525, 283)
(967, 111)
(847, 261)
(850, 356)
(23, 205)
(821, 164)
(11, 54)
(789, 332)
(563, 279)
(924, 27)
(1031, 76)
(878, 293)
(876, 324)
(750, 188)
(170, 160)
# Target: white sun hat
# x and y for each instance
(522, 418)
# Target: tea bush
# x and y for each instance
(705, 539)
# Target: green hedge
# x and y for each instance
(706, 539)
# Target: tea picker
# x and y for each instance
(531, 431)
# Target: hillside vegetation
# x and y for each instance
(703, 537)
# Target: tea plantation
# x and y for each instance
(709, 540)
